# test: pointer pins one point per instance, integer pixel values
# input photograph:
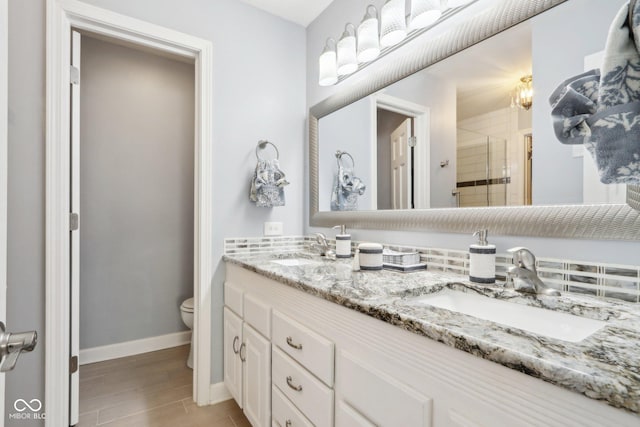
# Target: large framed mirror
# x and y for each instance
(473, 154)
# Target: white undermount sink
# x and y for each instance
(293, 262)
(539, 321)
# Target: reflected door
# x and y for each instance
(401, 166)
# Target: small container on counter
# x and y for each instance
(343, 242)
(370, 256)
(482, 260)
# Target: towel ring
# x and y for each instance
(339, 155)
(262, 144)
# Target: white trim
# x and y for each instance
(4, 165)
(219, 393)
(422, 165)
(61, 16)
(131, 348)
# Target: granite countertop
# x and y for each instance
(604, 366)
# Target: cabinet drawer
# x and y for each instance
(378, 397)
(284, 413)
(310, 396)
(258, 315)
(346, 416)
(313, 351)
(233, 298)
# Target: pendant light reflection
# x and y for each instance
(424, 13)
(328, 64)
(368, 45)
(523, 93)
(347, 58)
(393, 27)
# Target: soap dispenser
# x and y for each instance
(343, 242)
(482, 259)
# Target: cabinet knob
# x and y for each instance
(294, 387)
(291, 344)
(287, 423)
(235, 343)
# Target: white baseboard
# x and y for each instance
(131, 348)
(218, 393)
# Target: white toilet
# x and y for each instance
(186, 311)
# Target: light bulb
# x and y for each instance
(424, 13)
(394, 27)
(368, 44)
(327, 63)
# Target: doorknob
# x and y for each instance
(11, 345)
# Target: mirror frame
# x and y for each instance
(612, 221)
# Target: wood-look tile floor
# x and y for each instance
(148, 390)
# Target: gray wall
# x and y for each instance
(258, 92)
(564, 27)
(136, 193)
(348, 129)
(330, 23)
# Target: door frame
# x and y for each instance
(422, 151)
(61, 16)
(4, 165)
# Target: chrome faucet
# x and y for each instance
(322, 246)
(524, 276)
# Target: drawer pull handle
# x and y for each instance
(287, 423)
(235, 343)
(294, 387)
(243, 345)
(291, 344)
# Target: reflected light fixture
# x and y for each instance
(424, 13)
(456, 3)
(523, 93)
(328, 65)
(347, 58)
(368, 45)
(393, 24)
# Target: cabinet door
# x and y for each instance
(256, 377)
(377, 397)
(232, 362)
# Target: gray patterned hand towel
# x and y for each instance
(267, 185)
(601, 109)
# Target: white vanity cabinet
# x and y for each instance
(358, 371)
(247, 354)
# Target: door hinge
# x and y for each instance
(412, 141)
(73, 364)
(74, 221)
(74, 75)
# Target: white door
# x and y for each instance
(256, 376)
(74, 350)
(4, 56)
(401, 166)
(231, 354)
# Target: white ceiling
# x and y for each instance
(299, 11)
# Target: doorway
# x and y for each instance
(395, 160)
(61, 17)
(132, 187)
(402, 167)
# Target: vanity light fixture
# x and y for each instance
(393, 26)
(347, 57)
(368, 45)
(328, 64)
(424, 13)
(523, 93)
(357, 47)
